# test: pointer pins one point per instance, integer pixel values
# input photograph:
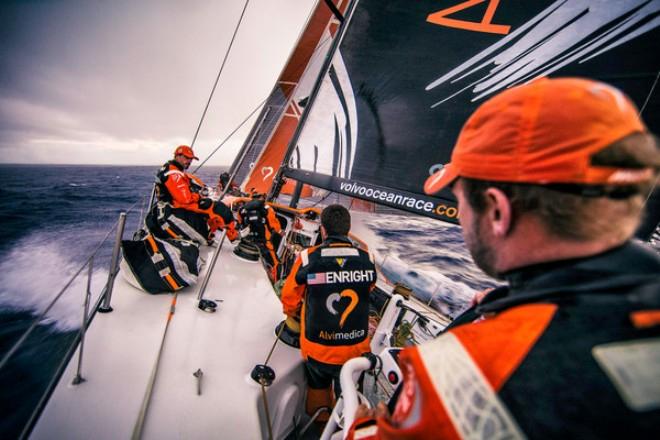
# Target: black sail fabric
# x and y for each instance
(407, 75)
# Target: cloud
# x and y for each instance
(115, 81)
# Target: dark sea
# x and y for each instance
(52, 217)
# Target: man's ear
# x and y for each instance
(499, 212)
(324, 233)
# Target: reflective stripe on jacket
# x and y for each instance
(177, 185)
(568, 351)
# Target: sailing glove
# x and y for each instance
(205, 203)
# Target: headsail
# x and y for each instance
(267, 144)
(406, 76)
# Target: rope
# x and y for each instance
(219, 73)
(263, 386)
(139, 424)
(277, 339)
(230, 135)
(316, 52)
(648, 97)
(263, 395)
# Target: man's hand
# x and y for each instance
(380, 411)
(205, 203)
(479, 296)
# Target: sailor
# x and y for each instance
(328, 291)
(223, 182)
(183, 190)
(550, 178)
(265, 230)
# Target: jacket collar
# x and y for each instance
(176, 164)
(338, 239)
(611, 271)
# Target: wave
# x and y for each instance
(426, 255)
(36, 269)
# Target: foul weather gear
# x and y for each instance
(182, 191)
(334, 279)
(566, 351)
(265, 229)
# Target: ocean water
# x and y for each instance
(53, 217)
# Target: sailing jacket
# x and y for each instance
(174, 186)
(331, 283)
(569, 350)
(180, 189)
(261, 218)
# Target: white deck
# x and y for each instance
(121, 348)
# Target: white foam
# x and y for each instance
(426, 279)
(36, 270)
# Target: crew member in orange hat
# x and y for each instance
(184, 190)
(550, 179)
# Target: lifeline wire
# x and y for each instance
(219, 73)
(648, 98)
(316, 52)
(230, 135)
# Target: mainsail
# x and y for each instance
(267, 144)
(406, 75)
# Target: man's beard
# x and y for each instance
(481, 252)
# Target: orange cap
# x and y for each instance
(186, 151)
(544, 132)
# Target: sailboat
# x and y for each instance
(368, 105)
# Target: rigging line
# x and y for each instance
(316, 52)
(139, 423)
(230, 135)
(265, 399)
(219, 73)
(277, 339)
(263, 385)
(648, 97)
(335, 11)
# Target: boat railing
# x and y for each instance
(101, 305)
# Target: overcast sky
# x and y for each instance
(125, 81)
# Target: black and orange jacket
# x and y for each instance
(261, 217)
(331, 284)
(564, 352)
(174, 186)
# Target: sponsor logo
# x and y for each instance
(336, 297)
(341, 336)
(446, 211)
(266, 172)
(342, 276)
(340, 261)
(380, 195)
(485, 25)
